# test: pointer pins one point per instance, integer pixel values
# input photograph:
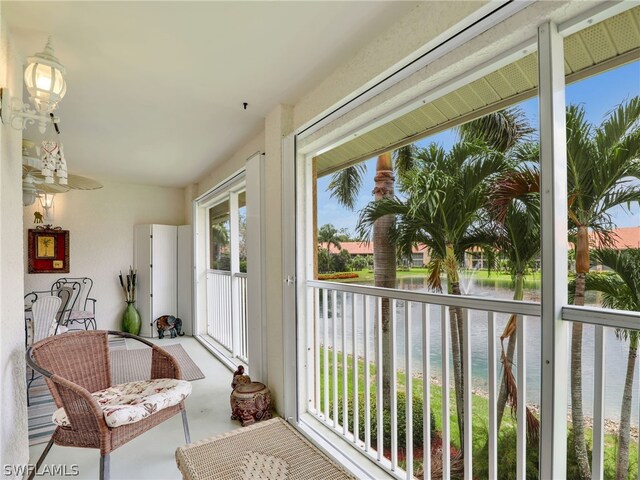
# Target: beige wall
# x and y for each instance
(100, 224)
(13, 400)
(231, 165)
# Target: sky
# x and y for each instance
(598, 94)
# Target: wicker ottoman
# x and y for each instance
(250, 403)
(266, 450)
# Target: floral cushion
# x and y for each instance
(131, 402)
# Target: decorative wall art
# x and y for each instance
(48, 250)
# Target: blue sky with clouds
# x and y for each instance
(599, 95)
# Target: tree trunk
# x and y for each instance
(511, 349)
(622, 460)
(577, 414)
(455, 320)
(456, 326)
(384, 265)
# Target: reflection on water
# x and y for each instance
(615, 350)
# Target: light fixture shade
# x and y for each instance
(46, 200)
(44, 78)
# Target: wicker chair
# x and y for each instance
(76, 364)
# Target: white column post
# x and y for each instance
(553, 191)
(255, 266)
(234, 249)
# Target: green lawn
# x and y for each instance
(480, 412)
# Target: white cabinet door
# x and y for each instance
(164, 250)
(185, 277)
(142, 263)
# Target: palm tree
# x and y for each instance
(328, 234)
(515, 207)
(447, 193)
(620, 290)
(600, 164)
(345, 187)
(518, 227)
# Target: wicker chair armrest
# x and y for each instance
(82, 403)
(81, 407)
(164, 365)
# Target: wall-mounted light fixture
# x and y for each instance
(44, 79)
(46, 200)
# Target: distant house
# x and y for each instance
(419, 255)
(625, 237)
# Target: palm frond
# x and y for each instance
(435, 274)
(618, 124)
(404, 158)
(520, 185)
(377, 209)
(345, 185)
(500, 130)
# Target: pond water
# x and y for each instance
(616, 351)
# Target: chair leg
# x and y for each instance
(41, 459)
(185, 424)
(105, 465)
(29, 382)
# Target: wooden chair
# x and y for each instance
(81, 308)
(78, 372)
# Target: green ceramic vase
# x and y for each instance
(131, 320)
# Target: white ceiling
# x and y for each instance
(155, 89)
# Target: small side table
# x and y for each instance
(250, 403)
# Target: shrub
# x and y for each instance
(341, 261)
(401, 414)
(324, 260)
(224, 263)
(359, 263)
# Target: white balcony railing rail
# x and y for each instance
(227, 311)
(602, 320)
(345, 350)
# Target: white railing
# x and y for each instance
(345, 349)
(346, 325)
(243, 320)
(227, 311)
(604, 322)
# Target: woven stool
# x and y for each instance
(250, 403)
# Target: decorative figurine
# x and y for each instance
(239, 377)
(37, 217)
(171, 324)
